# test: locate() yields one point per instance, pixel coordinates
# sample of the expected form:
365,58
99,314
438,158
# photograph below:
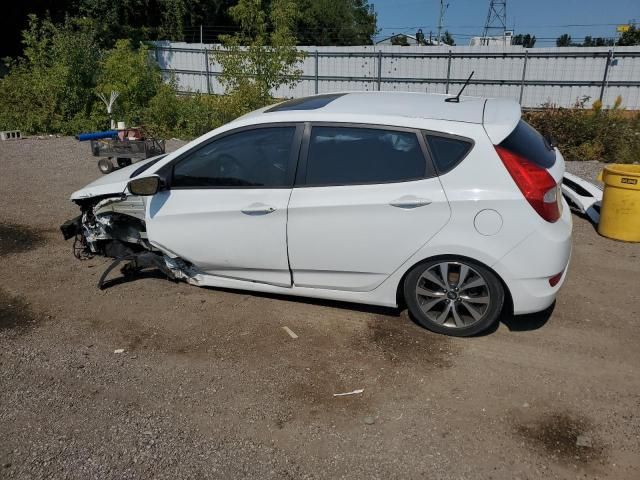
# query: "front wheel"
454,296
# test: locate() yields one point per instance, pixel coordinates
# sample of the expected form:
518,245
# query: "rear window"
527,142
351,156
447,152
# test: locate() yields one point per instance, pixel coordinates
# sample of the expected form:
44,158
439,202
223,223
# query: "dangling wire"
80,248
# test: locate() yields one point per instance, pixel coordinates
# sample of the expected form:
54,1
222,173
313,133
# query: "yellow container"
620,209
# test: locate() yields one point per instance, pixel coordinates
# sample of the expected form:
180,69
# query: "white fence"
532,76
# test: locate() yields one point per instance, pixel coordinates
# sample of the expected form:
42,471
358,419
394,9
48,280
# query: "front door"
366,199
226,208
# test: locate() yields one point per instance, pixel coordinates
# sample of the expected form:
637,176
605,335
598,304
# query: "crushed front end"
113,226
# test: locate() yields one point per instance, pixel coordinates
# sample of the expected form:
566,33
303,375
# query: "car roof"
499,115
402,104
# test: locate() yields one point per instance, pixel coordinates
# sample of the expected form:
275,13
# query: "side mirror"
145,185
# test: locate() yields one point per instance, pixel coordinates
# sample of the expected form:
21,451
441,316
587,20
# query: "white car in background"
379,198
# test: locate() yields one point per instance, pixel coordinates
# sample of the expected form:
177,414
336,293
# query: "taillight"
553,281
535,183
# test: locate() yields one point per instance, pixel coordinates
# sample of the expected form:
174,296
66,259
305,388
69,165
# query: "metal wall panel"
536,76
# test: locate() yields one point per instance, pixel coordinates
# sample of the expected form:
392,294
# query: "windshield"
146,166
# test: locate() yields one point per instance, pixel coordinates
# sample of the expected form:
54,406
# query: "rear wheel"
454,296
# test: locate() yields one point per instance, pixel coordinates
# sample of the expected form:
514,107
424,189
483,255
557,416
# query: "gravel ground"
587,170
209,385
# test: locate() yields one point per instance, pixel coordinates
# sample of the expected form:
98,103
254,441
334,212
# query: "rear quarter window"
447,152
527,142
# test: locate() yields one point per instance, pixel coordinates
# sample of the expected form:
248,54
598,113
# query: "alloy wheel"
453,294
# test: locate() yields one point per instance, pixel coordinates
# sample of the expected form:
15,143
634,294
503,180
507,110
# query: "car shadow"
122,279
515,323
357,307
527,322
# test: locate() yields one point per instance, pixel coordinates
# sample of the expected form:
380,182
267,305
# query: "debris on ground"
582,196
290,332
10,135
584,441
119,350
355,392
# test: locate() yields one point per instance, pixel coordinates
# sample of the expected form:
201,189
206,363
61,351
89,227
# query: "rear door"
366,198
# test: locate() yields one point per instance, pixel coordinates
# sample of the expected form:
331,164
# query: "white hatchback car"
368,197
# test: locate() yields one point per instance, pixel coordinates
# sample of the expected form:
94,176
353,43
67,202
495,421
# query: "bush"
54,88
189,116
134,75
591,133
50,88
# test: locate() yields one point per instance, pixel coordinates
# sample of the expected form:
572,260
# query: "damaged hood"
112,183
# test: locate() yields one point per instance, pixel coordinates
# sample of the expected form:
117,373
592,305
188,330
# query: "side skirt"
369,298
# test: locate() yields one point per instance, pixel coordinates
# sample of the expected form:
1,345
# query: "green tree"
447,38
597,42
400,40
132,19
154,19
262,56
630,37
173,19
335,22
527,41
563,40
134,75
53,80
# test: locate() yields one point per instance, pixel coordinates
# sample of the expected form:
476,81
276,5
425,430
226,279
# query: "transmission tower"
443,9
496,18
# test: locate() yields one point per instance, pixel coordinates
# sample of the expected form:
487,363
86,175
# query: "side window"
352,155
447,152
254,158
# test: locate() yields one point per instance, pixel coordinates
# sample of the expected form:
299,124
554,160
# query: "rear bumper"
527,268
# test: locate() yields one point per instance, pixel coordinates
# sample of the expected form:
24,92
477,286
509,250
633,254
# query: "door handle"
258,209
409,202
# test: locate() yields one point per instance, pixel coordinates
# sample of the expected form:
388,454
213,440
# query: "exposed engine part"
114,227
111,226
80,248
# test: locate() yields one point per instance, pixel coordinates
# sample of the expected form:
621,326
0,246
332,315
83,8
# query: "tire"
123,162
468,302
105,165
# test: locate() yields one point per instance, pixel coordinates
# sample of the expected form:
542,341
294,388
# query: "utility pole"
496,18
443,8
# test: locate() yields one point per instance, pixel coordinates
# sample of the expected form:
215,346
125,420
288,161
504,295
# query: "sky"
546,19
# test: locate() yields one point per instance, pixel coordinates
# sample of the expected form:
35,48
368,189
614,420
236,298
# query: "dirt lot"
211,386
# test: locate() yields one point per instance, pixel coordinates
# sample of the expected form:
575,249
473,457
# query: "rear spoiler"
500,117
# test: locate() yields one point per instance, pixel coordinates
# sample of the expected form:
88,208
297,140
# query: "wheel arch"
507,307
